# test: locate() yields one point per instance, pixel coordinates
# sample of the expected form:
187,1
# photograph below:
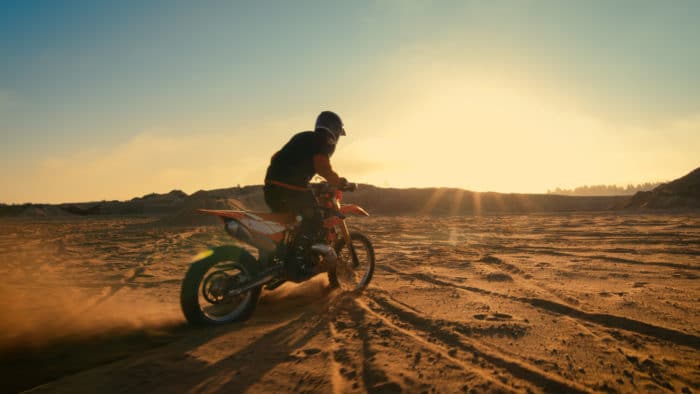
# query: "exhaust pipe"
330,259
250,286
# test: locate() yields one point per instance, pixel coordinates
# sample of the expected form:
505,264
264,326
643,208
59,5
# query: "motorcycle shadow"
226,358
314,296
291,322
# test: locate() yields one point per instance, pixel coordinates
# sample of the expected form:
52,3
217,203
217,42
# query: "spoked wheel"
355,267
204,295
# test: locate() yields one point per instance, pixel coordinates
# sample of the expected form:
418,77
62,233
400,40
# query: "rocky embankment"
683,193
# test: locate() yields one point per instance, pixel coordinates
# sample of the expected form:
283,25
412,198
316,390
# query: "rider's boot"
301,254
301,264
297,256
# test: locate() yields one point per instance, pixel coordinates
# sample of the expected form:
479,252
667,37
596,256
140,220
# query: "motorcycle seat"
282,218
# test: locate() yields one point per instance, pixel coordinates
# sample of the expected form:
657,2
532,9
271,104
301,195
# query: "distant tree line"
605,190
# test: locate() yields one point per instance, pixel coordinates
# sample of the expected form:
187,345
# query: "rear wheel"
355,267
204,295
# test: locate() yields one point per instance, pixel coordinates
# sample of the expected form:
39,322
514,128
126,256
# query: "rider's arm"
322,166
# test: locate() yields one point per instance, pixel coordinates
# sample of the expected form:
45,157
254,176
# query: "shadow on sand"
302,310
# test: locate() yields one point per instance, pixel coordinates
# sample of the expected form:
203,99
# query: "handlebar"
326,187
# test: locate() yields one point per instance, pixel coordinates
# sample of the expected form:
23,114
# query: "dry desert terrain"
573,302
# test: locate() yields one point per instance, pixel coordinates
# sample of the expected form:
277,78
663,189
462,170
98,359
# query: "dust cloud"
291,293
51,309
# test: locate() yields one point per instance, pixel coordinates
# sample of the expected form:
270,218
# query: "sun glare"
489,134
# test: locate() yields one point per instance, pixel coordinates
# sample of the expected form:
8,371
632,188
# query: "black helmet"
331,122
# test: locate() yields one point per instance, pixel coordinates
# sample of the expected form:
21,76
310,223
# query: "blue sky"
104,100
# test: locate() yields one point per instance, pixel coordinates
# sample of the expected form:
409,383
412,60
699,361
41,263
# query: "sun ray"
432,201
456,202
476,203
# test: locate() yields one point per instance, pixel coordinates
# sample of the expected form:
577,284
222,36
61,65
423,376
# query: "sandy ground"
539,303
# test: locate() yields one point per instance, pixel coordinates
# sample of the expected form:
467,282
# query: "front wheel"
204,295
355,267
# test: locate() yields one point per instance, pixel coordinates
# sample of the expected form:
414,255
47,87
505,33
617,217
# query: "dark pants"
302,203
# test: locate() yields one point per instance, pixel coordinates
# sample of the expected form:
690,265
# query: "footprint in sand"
493,316
499,277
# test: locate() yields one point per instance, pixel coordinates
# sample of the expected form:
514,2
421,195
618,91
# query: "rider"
292,167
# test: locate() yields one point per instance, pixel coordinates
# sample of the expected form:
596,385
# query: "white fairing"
259,225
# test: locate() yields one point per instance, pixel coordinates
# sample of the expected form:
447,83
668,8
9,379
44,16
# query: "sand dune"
495,303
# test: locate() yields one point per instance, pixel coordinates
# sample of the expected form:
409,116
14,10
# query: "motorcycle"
224,283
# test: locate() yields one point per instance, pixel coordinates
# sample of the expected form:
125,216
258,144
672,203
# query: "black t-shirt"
294,163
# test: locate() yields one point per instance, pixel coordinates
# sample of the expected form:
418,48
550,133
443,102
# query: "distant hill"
605,190
450,201
683,193
177,207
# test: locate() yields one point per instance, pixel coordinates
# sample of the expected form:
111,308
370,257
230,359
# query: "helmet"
331,122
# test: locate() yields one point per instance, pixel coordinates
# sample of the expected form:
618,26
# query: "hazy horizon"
116,100
578,191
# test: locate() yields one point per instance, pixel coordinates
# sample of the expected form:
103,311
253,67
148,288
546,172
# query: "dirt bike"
224,283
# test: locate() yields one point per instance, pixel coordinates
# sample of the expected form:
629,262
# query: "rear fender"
231,253
239,230
224,214
353,209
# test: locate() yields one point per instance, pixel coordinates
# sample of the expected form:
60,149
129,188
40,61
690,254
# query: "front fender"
354,209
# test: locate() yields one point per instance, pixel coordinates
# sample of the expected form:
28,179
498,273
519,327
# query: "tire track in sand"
603,319
489,260
370,353
453,340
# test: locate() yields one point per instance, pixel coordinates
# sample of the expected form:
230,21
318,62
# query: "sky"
111,100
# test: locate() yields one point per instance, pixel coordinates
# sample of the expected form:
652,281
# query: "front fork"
346,236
